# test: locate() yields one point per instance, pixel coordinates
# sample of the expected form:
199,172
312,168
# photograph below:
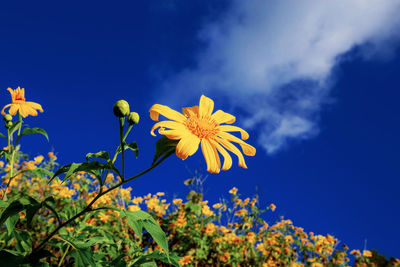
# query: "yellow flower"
197,125
367,253
233,191
52,156
19,104
272,207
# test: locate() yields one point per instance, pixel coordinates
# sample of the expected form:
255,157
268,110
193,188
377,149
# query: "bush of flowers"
83,214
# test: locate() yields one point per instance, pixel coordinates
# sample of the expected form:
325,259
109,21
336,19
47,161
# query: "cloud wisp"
280,56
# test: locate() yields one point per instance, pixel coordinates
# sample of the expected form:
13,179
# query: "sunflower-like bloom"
19,104
199,125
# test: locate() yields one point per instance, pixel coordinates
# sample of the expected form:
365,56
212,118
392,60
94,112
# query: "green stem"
122,143
88,207
63,257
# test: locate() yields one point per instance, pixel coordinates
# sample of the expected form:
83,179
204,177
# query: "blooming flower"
20,105
199,125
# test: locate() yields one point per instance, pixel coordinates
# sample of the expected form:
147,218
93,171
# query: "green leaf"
132,146
10,222
14,208
31,210
34,258
100,155
2,135
27,131
164,147
70,169
83,257
43,172
138,220
158,255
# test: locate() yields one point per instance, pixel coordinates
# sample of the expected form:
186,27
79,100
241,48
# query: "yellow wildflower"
137,200
20,105
1,164
160,194
38,159
197,125
367,253
355,252
177,201
217,206
52,156
272,207
133,208
233,191
185,260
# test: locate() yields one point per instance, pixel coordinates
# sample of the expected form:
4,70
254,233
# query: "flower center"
19,97
201,127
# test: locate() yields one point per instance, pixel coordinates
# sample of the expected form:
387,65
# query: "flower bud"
133,118
121,108
8,124
7,118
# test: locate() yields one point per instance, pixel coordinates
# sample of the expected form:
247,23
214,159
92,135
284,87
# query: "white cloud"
279,56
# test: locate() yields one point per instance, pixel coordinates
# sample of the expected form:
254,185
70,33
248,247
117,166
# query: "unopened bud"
8,124
121,108
133,118
7,118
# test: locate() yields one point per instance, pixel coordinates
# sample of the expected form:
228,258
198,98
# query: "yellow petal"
234,150
167,112
206,106
222,117
23,111
13,109
230,128
31,111
191,111
35,106
173,134
248,150
168,124
6,106
227,158
187,146
209,156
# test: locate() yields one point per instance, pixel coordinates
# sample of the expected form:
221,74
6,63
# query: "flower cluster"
234,232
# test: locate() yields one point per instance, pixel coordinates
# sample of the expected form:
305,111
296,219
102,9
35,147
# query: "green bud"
121,108
133,118
8,124
7,118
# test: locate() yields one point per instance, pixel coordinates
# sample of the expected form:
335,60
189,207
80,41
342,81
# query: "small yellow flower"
19,104
38,159
199,125
52,156
272,207
367,253
185,260
233,191
355,252
177,201
217,206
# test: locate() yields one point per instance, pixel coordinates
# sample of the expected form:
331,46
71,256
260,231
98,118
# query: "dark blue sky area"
78,59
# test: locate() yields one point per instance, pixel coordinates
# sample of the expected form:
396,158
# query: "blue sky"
315,84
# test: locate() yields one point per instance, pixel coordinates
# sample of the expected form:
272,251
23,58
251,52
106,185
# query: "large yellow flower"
19,104
199,125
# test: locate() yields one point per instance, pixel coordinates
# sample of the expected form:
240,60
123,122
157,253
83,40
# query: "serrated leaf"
83,257
138,220
164,147
100,155
27,131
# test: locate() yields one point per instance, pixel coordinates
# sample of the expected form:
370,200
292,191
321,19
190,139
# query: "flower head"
199,125
19,104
